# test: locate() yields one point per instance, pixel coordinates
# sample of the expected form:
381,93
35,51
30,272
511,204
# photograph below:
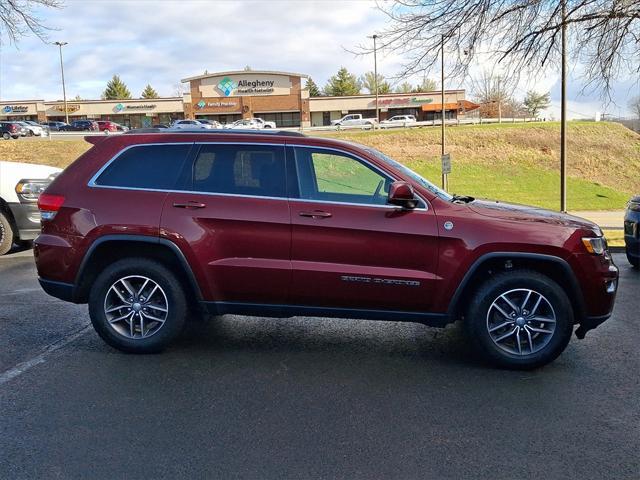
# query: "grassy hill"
511,162
520,162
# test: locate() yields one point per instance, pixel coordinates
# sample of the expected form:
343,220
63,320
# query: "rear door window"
146,167
251,169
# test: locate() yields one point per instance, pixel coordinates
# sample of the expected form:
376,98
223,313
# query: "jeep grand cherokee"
154,227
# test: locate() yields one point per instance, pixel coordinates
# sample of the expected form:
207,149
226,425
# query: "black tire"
29,133
176,305
634,261
6,234
6,136
476,322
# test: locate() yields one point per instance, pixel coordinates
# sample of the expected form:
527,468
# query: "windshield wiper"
462,198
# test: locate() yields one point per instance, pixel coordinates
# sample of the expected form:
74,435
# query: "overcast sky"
162,41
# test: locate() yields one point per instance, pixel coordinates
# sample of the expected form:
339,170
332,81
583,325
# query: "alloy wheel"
521,321
136,307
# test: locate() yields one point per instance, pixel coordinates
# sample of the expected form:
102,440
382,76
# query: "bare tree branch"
18,18
521,35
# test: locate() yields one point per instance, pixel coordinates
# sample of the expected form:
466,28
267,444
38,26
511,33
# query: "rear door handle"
315,214
190,204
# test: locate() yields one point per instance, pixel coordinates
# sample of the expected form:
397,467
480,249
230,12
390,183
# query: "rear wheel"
6,136
138,306
634,261
6,234
519,319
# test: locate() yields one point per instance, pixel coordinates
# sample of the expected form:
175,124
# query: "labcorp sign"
245,85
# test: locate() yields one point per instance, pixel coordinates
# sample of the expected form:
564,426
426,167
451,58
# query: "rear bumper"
61,290
27,218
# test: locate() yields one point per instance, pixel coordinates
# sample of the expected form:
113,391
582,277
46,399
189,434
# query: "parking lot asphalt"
307,398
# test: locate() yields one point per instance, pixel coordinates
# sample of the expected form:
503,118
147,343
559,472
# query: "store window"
282,119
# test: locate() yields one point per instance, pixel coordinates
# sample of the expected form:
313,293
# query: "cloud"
161,41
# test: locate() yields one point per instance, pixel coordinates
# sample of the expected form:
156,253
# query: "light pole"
563,114
375,73
64,88
444,175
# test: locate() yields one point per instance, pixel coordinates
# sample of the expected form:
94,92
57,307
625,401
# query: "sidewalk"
608,220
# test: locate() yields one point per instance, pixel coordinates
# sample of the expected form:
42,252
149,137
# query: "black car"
54,126
632,231
81,126
10,130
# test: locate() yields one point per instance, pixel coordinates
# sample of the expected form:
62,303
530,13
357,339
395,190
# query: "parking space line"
40,358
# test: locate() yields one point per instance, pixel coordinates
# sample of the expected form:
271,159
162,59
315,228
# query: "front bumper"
27,218
598,279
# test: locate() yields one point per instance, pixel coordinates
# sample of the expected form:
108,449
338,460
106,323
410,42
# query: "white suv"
398,121
251,124
20,187
194,124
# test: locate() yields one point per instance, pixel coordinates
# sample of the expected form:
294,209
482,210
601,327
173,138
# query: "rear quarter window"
145,167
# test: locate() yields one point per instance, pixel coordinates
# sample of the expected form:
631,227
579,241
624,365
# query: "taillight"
49,205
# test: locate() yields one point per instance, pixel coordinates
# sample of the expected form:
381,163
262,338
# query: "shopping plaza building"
280,97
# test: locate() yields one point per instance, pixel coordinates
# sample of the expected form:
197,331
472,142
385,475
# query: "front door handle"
190,205
315,214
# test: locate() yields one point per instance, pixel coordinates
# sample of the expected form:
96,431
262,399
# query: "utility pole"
444,175
499,101
563,114
375,74
64,88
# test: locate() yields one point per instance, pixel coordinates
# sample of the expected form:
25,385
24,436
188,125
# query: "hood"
511,211
635,199
20,170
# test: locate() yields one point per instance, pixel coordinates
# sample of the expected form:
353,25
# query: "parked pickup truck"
20,187
354,120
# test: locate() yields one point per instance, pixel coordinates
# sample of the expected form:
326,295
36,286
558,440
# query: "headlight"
595,246
30,190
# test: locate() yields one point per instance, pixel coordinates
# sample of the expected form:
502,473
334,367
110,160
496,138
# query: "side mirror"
401,194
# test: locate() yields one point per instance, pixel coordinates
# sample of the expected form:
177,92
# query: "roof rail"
218,131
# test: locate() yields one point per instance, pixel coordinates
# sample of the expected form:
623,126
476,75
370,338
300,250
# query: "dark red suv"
153,228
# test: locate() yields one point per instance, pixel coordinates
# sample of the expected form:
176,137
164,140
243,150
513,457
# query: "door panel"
356,254
234,224
363,257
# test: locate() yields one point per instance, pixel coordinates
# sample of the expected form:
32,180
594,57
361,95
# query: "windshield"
407,171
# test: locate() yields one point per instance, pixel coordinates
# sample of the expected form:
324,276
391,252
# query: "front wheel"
138,306
6,136
6,234
634,261
519,320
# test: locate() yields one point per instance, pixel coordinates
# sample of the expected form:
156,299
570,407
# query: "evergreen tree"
368,81
534,102
149,92
314,91
116,90
341,84
404,87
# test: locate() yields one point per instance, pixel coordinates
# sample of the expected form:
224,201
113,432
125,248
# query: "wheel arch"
110,248
551,266
6,211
